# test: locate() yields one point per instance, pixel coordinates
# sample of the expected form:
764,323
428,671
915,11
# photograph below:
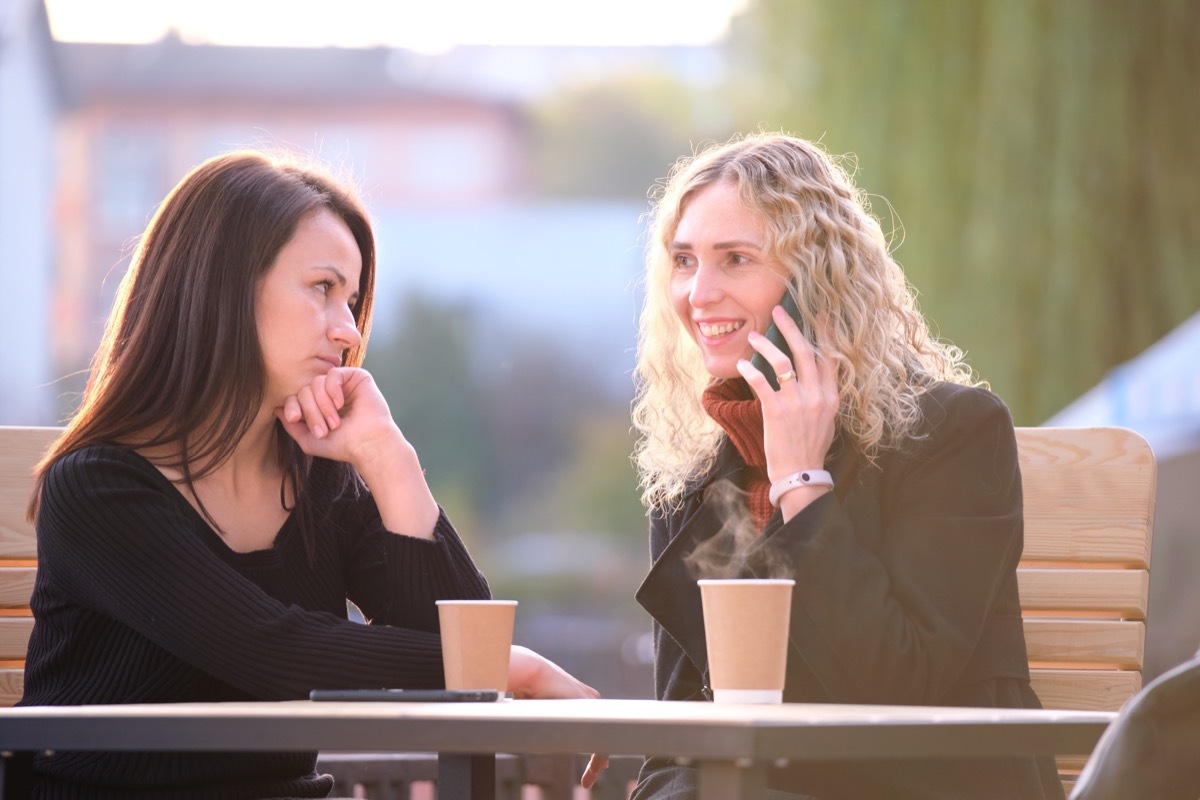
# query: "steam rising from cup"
736,550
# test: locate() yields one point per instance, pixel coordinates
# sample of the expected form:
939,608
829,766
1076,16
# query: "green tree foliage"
616,138
1040,154
426,373
595,489
514,432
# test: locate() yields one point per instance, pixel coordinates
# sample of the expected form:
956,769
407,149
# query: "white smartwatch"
805,477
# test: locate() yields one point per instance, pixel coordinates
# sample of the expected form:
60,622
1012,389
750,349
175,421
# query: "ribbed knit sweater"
734,407
139,600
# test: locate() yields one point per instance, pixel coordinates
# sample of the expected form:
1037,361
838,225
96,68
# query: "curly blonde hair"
820,226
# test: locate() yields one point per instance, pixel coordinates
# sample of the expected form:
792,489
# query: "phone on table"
775,337
407,695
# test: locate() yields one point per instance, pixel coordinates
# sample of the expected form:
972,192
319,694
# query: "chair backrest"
1084,575
20,450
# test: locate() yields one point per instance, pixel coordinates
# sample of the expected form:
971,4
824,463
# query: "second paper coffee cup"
746,625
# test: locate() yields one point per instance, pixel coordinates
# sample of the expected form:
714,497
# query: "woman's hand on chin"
343,416
339,415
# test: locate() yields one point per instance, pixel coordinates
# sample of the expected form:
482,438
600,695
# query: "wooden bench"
1084,575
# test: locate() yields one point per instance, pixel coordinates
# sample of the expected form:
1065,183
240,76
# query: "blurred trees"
1039,153
616,138
514,433
425,372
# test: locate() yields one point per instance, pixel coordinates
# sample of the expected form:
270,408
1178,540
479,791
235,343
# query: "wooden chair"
20,450
1084,575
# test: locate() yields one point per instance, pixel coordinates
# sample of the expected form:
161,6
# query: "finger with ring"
783,377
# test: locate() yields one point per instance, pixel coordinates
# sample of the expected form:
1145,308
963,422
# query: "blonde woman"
875,472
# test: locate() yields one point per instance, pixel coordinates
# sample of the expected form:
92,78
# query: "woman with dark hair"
874,470
232,478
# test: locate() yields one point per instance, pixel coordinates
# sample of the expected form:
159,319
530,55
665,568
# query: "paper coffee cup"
476,642
746,626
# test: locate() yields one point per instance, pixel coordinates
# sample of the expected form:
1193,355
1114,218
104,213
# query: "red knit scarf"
738,412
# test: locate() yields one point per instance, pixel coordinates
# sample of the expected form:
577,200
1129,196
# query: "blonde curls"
821,227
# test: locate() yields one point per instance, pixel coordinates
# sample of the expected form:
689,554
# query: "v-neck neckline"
247,555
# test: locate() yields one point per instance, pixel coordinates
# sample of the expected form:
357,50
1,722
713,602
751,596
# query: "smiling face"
723,282
304,305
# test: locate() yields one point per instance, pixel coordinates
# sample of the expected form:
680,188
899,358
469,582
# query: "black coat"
905,594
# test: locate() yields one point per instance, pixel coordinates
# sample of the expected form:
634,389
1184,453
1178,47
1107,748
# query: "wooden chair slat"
12,685
1088,494
1106,542
1080,447
14,637
1085,642
16,586
1120,592
1085,690
20,450
1070,766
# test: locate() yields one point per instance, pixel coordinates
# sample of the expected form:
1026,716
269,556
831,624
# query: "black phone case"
406,695
775,337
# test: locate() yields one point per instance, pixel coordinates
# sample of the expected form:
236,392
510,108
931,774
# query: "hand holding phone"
775,337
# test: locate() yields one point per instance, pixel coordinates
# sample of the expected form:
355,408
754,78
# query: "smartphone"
407,695
775,337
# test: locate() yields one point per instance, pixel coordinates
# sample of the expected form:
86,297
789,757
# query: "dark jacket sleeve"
890,602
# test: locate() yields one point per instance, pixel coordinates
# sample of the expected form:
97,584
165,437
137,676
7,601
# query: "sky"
424,26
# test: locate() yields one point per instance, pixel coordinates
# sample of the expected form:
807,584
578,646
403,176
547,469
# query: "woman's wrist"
383,455
806,478
391,470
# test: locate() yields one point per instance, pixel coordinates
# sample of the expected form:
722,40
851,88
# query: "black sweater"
139,600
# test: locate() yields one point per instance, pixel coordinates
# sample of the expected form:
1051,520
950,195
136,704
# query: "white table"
731,745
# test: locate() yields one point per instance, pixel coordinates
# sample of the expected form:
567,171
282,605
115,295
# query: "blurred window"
452,158
129,183
347,148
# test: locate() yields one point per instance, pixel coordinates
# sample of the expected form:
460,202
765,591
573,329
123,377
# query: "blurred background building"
1037,158
30,108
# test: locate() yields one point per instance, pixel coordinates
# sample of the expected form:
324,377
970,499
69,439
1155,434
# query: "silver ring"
790,375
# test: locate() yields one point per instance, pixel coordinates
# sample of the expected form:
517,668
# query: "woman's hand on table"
533,676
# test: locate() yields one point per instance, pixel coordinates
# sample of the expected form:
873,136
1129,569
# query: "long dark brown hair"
180,367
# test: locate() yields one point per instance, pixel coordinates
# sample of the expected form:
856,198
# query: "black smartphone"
775,337
407,695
